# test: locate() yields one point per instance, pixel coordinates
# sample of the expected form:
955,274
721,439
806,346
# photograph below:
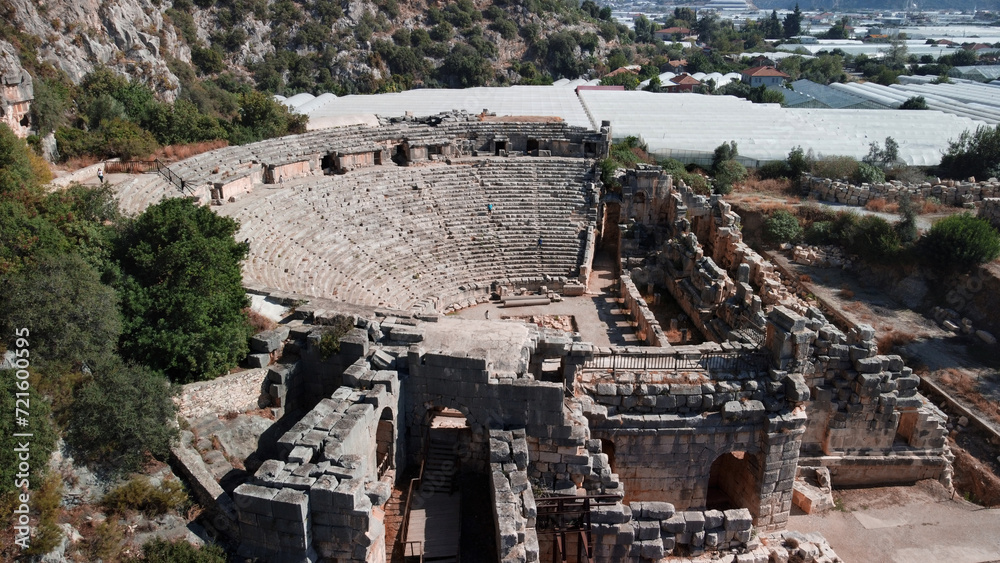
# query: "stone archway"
734,482
385,443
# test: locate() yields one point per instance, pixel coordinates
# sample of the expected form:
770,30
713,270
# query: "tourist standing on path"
100,175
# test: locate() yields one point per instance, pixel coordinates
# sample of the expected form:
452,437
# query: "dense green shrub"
973,154
126,140
916,102
52,104
820,232
773,170
782,227
960,242
43,436
208,61
120,415
159,550
140,495
71,315
329,343
873,239
836,167
868,174
727,174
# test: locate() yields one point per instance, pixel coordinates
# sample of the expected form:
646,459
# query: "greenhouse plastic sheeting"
695,123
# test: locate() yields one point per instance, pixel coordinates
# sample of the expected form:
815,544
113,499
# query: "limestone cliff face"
136,38
16,91
129,36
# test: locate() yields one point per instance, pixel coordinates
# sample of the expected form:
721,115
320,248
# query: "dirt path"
921,523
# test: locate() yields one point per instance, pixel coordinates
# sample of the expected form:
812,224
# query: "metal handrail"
131,166
415,483
171,177
679,361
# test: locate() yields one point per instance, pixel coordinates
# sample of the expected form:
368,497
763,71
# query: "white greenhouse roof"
968,99
678,124
515,100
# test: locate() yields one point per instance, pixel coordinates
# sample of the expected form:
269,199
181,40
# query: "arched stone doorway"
734,482
385,444
608,448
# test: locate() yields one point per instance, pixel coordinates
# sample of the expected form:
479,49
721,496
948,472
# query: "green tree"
916,102
874,239
839,30
208,61
798,163
17,172
906,228
43,435
960,242
772,26
52,104
643,29
973,154
121,415
126,140
182,293
627,79
887,77
465,67
782,227
793,22
724,152
263,117
727,174
72,316
896,54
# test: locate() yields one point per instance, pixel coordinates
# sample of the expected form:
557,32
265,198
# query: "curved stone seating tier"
417,237
228,163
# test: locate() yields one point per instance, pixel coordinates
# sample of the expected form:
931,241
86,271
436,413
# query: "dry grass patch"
845,292
172,153
779,187
880,205
931,205
967,388
259,323
890,339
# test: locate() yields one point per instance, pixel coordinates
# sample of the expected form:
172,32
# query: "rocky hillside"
290,46
130,36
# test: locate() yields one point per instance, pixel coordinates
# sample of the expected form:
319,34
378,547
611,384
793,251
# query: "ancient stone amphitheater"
588,452
332,213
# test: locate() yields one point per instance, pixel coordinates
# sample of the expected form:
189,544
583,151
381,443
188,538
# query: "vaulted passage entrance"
733,482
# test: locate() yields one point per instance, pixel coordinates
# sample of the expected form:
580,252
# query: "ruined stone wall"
280,173
857,397
350,161
467,385
316,499
990,210
649,531
948,192
647,328
512,497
